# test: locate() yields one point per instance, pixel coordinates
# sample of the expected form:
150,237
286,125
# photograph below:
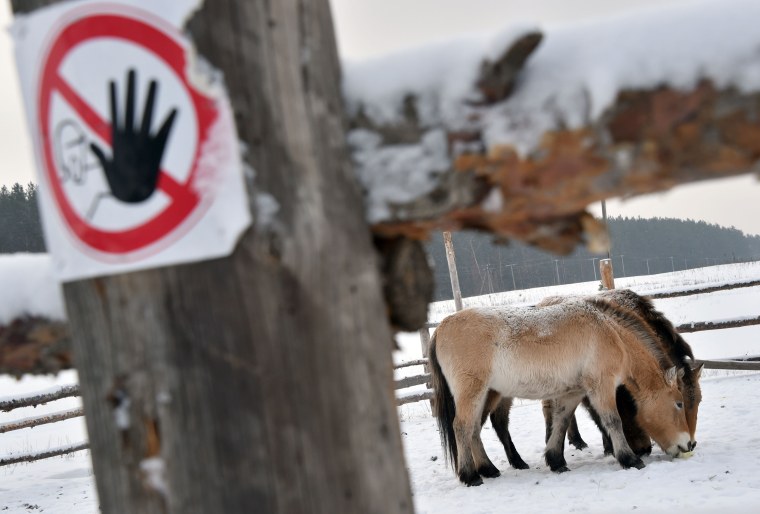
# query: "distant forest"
21,230
639,247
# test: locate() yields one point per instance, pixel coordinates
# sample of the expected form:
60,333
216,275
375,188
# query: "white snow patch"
28,287
154,474
396,174
574,74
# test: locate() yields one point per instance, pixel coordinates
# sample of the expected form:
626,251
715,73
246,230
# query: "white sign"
137,152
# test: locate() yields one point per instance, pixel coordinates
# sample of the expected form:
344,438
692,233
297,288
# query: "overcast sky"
369,28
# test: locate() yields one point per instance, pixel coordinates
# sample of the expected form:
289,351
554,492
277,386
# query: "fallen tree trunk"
649,140
522,148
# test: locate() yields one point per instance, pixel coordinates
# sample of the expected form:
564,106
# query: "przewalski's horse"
671,350
563,352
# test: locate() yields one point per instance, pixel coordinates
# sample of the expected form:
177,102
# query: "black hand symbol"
135,163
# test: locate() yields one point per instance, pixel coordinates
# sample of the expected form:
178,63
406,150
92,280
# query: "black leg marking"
470,479
606,441
489,471
574,435
629,460
556,461
500,423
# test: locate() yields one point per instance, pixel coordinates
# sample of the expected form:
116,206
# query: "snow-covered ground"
721,477
60,485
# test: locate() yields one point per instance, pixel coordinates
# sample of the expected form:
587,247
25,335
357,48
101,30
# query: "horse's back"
524,352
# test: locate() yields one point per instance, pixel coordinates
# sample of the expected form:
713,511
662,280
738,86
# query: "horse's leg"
606,441
603,400
574,435
562,410
469,399
492,400
546,407
500,423
637,438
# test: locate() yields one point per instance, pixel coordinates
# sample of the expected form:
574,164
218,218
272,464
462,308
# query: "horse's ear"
671,375
698,371
681,373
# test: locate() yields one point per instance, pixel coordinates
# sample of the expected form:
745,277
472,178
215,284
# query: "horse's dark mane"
676,346
630,320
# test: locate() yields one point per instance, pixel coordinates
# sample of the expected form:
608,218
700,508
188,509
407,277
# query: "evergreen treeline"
20,229
639,247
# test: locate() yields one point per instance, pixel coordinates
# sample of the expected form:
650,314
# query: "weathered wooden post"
608,277
452,262
262,381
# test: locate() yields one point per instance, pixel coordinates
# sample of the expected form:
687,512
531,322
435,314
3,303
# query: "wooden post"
452,261
608,277
425,343
263,381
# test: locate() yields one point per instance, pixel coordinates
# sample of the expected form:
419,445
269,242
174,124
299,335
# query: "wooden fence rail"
55,452
41,420
33,401
39,398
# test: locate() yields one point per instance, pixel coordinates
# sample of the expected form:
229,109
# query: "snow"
571,79
60,485
721,476
27,286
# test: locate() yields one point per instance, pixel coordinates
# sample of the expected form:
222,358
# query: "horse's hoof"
580,444
471,479
556,461
489,471
631,461
520,465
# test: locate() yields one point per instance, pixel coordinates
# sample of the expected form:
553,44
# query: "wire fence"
746,364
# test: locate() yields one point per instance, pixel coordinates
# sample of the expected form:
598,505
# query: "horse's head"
661,412
692,396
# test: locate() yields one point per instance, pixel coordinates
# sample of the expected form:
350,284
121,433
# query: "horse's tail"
443,406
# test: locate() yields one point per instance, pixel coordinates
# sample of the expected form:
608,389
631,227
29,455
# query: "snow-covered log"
518,132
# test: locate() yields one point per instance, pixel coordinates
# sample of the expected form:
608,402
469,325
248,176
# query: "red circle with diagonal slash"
184,198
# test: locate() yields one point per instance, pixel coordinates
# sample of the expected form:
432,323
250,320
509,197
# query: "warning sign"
137,151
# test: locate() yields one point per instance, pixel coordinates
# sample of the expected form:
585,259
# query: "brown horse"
671,350
562,352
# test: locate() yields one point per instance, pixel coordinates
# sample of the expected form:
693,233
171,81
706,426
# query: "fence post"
226,385
453,275
608,277
425,343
